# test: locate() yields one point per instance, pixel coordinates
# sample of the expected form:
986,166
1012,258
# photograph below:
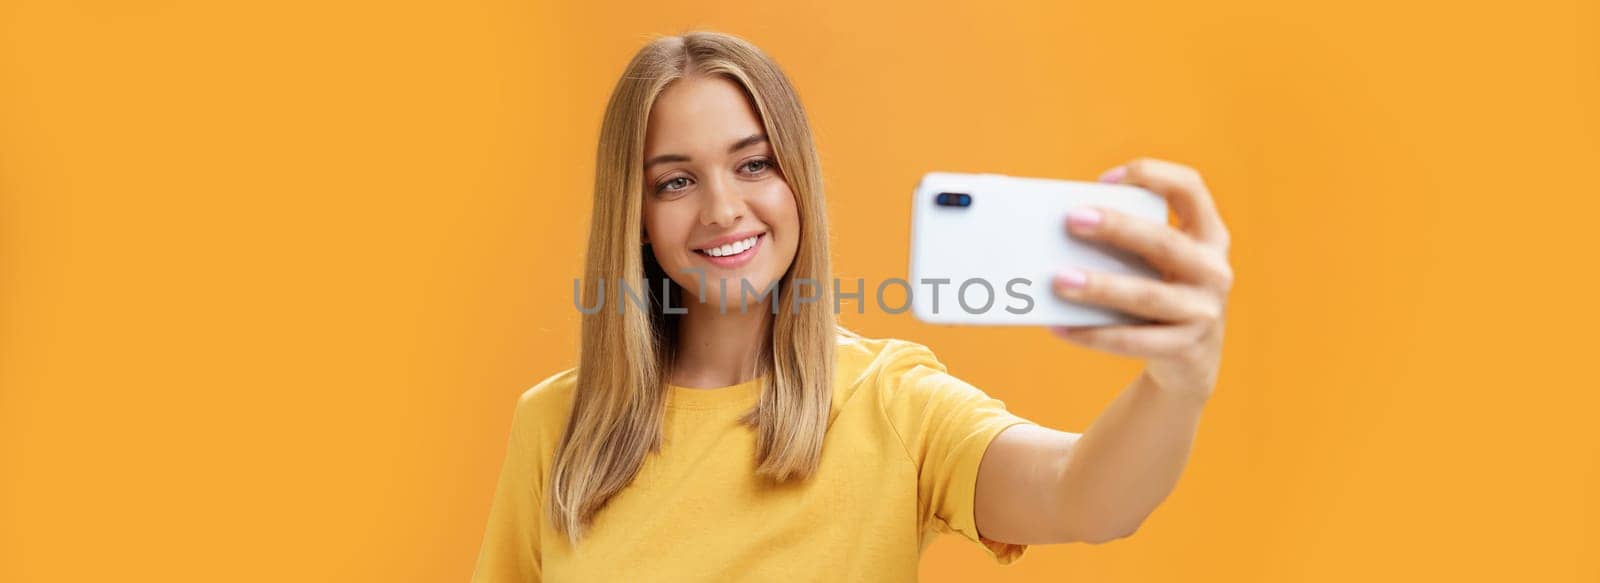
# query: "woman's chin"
738,289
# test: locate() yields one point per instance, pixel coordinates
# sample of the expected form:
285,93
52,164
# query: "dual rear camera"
955,199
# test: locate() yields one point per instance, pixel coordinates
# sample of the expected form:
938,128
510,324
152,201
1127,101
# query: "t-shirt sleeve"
510,550
946,426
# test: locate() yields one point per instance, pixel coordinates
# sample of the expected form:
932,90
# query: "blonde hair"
620,398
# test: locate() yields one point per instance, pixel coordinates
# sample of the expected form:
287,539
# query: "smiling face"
714,197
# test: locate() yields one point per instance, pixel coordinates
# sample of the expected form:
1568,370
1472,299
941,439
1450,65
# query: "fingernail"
1083,217
1071,279
1114,174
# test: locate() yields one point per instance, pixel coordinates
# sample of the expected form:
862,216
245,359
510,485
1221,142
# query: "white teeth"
733,248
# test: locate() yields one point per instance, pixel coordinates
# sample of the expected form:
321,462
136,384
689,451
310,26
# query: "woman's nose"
723,204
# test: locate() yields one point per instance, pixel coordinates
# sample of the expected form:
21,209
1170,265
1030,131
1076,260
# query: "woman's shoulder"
547,403
875,360
857,348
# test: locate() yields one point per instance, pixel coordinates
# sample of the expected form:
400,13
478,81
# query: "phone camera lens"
955,199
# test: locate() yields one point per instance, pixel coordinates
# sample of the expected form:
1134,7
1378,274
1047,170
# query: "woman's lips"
734,259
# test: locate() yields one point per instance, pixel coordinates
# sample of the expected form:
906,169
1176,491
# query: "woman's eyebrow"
746,142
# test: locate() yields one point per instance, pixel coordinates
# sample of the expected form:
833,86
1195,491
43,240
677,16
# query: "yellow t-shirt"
899,466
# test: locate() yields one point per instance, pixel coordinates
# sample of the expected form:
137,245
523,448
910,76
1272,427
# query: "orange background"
275,272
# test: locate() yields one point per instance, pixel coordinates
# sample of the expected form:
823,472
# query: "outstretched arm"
1038,485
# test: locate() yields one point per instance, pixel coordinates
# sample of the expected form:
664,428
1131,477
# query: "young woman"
714,433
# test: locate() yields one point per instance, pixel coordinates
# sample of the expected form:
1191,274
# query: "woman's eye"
756,165
675,184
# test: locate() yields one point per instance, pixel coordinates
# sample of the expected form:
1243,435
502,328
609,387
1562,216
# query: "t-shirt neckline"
714,398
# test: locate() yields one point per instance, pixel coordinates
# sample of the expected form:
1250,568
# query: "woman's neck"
717,349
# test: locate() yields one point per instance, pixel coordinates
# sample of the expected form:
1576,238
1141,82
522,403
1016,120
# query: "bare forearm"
1129,459
1038,484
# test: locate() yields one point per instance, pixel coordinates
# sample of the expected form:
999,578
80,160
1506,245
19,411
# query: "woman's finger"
1144,341
1183,189
1164,247
1137,295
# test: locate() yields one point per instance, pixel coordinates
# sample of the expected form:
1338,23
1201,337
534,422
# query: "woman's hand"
1183,349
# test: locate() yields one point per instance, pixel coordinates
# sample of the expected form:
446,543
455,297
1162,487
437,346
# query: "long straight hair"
620,398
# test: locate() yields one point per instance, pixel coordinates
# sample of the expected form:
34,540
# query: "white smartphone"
986,247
